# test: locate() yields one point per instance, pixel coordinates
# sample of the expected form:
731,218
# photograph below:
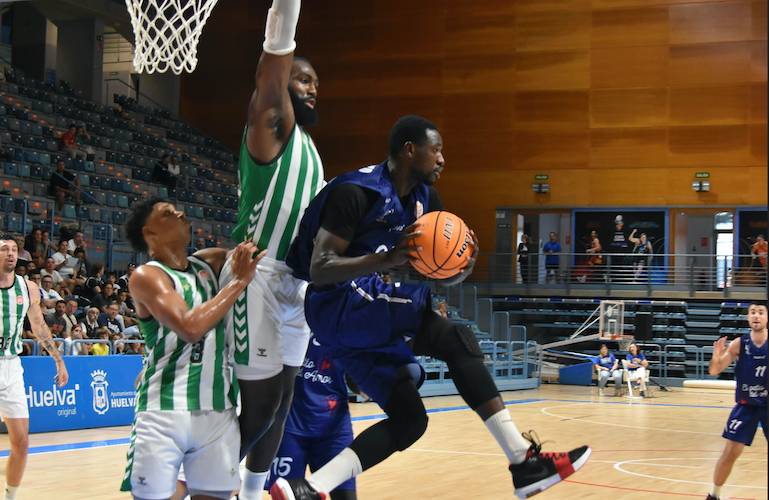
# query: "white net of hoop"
167,32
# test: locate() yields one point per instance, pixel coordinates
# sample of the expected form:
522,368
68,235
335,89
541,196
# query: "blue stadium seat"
111,200
68,212
122,201
13,223
162,192
99,232
118,217
85,180
83,213
45,159
40,189
89,166
24,170
105,215
11,169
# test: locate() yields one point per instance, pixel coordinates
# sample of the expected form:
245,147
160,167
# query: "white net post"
166,33
611,323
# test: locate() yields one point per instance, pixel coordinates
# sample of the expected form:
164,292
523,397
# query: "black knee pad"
467,340
408,433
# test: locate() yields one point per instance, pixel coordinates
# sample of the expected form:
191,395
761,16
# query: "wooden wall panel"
710,64
644,107
709,23
728,105
629,147
630,27
649,68
619,101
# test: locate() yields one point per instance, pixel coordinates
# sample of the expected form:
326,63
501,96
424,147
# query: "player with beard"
19,300
359,226
280,171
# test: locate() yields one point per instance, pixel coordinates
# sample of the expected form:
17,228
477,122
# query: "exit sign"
702,175
541,177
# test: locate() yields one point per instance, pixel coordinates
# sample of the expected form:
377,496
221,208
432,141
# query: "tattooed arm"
43,334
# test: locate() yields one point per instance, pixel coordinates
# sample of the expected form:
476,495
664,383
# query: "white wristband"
281,27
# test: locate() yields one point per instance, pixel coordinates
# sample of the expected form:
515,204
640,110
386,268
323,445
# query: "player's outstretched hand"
244,260
719,347
62,376
403,250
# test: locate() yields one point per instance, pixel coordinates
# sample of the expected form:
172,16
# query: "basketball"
444,247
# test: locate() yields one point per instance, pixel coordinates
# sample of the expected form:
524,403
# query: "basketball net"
166,33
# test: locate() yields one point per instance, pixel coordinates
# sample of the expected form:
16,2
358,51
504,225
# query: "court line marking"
615,487
556,415
640,461
628,403
85,445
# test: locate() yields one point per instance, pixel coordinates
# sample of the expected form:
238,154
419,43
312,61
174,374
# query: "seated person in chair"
606,367
637,366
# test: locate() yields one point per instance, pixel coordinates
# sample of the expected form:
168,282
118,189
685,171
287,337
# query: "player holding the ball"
360,225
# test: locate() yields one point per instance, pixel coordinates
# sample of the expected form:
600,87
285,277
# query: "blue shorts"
298,452
365,324
743,422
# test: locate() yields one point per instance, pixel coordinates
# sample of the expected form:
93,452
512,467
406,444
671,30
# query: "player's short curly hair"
409,128
140,211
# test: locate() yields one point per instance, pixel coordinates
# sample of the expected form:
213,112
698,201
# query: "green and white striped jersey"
14,304
273,197
179,375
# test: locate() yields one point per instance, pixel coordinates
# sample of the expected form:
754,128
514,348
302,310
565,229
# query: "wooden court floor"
662,447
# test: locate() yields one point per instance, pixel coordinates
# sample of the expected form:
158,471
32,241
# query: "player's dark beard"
305,116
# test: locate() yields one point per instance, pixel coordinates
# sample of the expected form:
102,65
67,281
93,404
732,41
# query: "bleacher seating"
125,151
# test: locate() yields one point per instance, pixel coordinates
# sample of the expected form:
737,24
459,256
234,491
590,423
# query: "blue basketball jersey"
379,230
320,396
630,357
606,362
750,373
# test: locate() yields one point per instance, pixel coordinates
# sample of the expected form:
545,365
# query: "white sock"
10,492
252,486
342,467
503,429
715,491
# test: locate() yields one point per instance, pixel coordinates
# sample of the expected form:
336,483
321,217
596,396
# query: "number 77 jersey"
750,373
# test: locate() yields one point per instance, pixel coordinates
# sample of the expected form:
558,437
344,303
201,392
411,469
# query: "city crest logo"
99,386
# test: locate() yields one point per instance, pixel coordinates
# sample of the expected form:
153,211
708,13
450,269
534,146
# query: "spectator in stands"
21,270
24,255
83,139
31,266
63,185
112,280
91,322
636,365
50,270
759,250
79,349
442,309
101,349
606,367
125,308
34,245
45,239
63,261
117,346
80,268
56,321
523,258
68,140
594,258
200,244
120,112
105,298
77,241
70,315
163,171
94,282
124,279
642,254
552,250
110,319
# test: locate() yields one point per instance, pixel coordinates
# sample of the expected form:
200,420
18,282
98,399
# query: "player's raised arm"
723,356
155,294
43,334
270,112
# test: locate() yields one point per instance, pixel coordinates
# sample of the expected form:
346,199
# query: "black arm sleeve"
345,207
434,203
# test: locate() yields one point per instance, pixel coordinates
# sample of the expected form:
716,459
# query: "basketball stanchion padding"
729,385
